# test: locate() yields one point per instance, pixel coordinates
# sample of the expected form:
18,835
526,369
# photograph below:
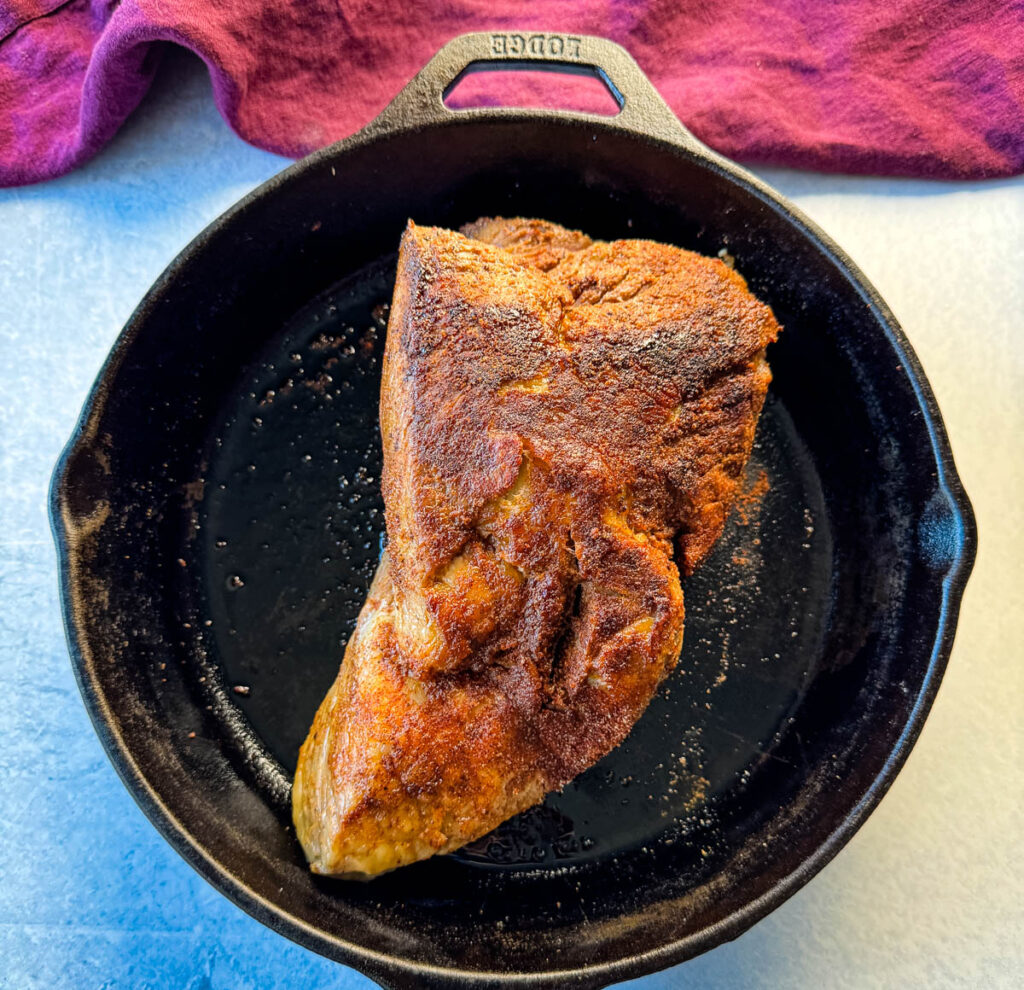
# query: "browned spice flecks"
565,423
748,499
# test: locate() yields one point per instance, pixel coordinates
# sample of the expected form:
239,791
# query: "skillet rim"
393,970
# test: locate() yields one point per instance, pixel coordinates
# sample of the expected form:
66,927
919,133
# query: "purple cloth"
877,86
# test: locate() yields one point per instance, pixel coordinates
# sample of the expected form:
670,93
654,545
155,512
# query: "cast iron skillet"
218,517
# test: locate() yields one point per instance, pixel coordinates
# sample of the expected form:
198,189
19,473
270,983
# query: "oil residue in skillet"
292,525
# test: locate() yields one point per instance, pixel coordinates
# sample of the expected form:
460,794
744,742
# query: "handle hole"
551,86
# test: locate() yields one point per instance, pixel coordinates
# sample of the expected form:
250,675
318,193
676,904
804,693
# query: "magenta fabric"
899,87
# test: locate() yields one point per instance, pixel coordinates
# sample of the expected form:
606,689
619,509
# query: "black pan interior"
222,518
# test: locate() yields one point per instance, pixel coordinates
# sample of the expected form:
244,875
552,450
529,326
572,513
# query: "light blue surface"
91,896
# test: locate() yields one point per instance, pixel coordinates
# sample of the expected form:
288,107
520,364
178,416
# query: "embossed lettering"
536,45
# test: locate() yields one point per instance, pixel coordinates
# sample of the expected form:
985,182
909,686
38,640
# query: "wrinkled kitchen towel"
901,87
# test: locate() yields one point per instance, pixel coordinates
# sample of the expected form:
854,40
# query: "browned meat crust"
565,423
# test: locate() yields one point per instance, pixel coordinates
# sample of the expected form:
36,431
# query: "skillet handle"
641,108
